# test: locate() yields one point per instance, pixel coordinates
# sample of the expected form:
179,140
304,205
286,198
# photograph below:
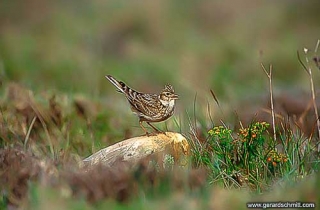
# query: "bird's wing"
147,104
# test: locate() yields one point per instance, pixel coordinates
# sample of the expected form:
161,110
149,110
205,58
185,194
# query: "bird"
149,107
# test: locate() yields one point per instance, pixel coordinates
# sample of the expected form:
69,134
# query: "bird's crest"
168,88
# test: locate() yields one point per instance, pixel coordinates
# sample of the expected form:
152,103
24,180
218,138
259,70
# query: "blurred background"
69,46
55,101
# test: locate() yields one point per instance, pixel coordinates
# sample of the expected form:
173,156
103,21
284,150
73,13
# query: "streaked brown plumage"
148,107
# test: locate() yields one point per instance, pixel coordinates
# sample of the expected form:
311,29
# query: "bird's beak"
175,96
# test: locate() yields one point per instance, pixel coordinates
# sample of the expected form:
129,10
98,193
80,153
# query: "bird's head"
167,96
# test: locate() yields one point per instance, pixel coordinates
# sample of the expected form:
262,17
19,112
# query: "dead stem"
269,75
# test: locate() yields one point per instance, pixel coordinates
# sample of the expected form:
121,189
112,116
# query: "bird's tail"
118,84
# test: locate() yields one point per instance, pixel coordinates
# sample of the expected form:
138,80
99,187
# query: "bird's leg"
143,128
156,129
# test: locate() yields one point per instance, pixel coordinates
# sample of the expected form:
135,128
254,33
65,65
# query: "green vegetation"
56,107
249,158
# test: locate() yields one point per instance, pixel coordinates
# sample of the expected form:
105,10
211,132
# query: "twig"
309,71
192,130
29,131
45,128
269,75
215,98
317,46
194,114
209,113
316,58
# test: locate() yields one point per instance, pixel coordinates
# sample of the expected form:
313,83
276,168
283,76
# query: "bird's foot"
155,133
